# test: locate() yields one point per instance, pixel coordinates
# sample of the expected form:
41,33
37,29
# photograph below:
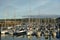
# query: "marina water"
10,37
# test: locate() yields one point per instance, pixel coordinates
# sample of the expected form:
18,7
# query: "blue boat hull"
58,35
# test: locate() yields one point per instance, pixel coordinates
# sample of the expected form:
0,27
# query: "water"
9,37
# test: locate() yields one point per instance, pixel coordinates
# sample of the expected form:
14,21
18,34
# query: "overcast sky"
19,8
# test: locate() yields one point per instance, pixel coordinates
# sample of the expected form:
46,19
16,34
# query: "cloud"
22,7
50,8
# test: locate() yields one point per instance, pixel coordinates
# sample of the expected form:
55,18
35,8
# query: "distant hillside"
42,16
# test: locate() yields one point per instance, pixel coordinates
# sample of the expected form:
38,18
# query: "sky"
19,8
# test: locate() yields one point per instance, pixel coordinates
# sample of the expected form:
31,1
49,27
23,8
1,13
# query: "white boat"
9,27
39,34
20,32
54,34
46,34
29,33
3,32
11,32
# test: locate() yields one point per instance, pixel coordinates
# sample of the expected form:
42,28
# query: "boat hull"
57,34
19,34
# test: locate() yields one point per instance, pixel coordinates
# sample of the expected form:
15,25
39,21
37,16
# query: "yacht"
46,34
4,32
20,32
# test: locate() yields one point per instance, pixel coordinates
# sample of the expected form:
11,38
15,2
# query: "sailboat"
19,32
29,31
5,31
38,31
54,30
46,32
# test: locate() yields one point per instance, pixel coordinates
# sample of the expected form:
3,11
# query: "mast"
54,23
48,20
45,23
32,21
39,18
5,20
6,13
29,11
14,17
